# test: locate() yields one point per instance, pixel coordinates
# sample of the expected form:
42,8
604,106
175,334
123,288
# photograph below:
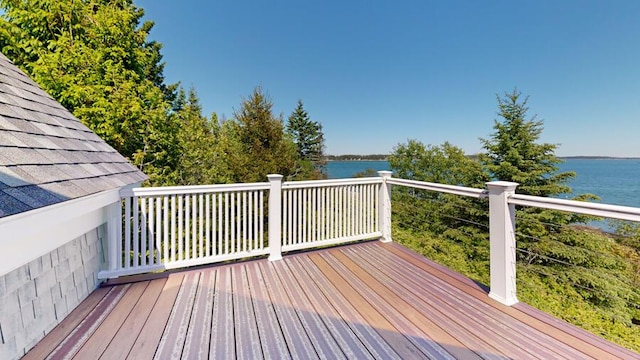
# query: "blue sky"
376,73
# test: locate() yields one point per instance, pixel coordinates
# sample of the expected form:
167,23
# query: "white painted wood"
502,240
443,188
275,216
384,209
333,241
207,228
580,207
174,198
261,220
31,234
180,236
114,245
192,189
329,183
143,232
166,237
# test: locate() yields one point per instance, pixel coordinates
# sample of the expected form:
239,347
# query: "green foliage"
255,142
445,164
366,173
94,58
198,161
513,154
309,140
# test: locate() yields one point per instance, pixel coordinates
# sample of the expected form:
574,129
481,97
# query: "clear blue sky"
376,73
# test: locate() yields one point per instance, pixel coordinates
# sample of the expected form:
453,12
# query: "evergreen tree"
197,161
309,140
513,154
95,59
256,143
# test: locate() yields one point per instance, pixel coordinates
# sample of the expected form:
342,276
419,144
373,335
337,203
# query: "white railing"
172,227
502,224
328,212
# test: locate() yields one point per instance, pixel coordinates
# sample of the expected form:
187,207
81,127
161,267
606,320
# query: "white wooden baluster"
207,216
275,217
384,207
143,232
244,221
261,219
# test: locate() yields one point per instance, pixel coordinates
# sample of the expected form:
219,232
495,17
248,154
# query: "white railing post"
384,211
275,217
114,223
502,239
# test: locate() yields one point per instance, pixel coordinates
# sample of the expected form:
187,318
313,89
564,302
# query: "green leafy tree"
309,140
95,59
443,227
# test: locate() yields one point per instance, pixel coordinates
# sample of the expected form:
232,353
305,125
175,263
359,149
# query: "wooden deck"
365,301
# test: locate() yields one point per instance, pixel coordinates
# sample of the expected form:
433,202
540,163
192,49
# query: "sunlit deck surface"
368,300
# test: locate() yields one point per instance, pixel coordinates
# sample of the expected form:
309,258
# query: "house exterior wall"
37,296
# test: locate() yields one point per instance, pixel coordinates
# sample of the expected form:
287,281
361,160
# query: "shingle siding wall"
37,296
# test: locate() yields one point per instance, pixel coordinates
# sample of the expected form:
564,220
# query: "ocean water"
615,181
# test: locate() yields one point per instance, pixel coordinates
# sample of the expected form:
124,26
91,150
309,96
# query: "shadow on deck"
367,300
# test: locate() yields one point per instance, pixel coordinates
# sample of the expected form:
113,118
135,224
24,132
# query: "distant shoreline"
381,158
598,158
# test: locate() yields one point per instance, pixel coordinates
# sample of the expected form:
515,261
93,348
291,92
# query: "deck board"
99,340
368,336
149,337
64,329
430,292
298,342
367,300
121,344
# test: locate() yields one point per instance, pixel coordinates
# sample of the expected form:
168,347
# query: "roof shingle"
47,156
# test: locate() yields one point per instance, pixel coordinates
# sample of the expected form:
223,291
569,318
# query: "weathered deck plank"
321,338
173,339
222,333
248,345
66,327
147,341
369,300
100,339
122,342
401,345
372,341
199,332
266,317
568,340
411,321
434,291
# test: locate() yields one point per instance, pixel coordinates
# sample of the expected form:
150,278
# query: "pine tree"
309,140
197,136
256,144
513,153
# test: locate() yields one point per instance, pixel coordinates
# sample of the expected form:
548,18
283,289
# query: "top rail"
192,189
331,182
580,207
449,189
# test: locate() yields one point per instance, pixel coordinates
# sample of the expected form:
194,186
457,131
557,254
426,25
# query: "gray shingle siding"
47,156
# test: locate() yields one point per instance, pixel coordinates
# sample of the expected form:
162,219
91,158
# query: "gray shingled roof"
47,156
